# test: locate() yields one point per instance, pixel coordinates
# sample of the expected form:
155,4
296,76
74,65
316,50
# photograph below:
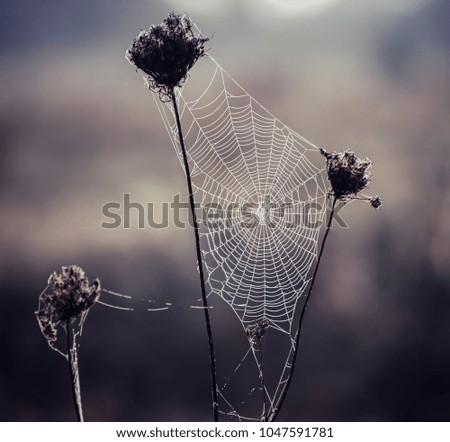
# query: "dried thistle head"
68,297
256,332
375,201
347,173
166,53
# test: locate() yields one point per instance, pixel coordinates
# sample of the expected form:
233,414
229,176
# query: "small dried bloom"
47,328
166,53
67,298
347,173
375,201
256,332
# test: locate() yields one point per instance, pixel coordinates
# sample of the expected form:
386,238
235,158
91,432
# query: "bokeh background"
79,129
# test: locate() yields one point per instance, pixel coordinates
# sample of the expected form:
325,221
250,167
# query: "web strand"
266,187
240,156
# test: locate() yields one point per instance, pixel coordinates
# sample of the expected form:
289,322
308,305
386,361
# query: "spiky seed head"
375,201
68,297
166,52
256,331
347,173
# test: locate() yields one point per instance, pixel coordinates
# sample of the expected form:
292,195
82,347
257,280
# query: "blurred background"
79,129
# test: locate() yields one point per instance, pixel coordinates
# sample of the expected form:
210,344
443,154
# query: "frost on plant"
65,302
166,53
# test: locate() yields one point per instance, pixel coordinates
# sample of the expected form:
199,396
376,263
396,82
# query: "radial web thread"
262,198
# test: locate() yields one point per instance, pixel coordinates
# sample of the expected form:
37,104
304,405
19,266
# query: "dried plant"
63,307
166,53
255,334
348,176
375,201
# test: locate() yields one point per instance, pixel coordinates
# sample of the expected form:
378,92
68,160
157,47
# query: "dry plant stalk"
166,53
348,176
63,306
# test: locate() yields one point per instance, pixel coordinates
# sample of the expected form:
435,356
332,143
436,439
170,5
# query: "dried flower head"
256,332
375,201
166,53
347,173
68,297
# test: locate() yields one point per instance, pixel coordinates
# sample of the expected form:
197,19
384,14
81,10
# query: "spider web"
262,196
262,199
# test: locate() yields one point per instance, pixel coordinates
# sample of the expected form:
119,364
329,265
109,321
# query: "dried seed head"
47,328
347,173
166,53
375,201
256,332
68,297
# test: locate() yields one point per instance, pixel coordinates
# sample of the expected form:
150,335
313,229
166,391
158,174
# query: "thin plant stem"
263,382
74,373
276,410
200,263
